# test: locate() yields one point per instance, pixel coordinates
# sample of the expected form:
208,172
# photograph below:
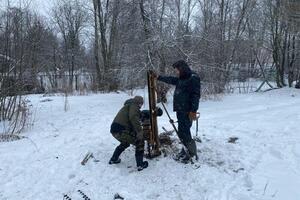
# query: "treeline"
106,45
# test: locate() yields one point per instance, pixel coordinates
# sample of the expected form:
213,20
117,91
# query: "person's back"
127,116
127,129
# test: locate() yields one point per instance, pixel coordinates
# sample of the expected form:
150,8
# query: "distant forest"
108,45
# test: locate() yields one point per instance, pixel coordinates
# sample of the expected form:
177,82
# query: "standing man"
127,129
185,104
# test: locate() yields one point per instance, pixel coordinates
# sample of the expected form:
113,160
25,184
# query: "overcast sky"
41,6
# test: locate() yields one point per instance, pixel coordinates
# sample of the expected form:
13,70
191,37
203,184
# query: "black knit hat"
184,69
180,64
159,111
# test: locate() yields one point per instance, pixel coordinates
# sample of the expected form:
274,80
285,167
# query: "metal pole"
170,119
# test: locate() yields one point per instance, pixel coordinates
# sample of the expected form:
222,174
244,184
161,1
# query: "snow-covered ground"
264,163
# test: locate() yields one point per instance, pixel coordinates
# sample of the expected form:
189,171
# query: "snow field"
264,163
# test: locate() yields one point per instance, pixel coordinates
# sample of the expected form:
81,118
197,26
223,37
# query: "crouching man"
127,129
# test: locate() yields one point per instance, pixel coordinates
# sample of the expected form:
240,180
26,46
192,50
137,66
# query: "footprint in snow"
71,176
275,153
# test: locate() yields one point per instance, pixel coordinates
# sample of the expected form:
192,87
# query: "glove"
159,112
192,116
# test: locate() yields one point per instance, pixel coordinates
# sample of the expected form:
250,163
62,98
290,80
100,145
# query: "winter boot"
139,160
115,157
114,161
143,166
180,155
186,159
192,149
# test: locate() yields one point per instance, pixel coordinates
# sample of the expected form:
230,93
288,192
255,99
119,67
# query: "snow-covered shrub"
15,114
14,108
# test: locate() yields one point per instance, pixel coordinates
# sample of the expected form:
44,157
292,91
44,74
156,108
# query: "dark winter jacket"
187,91
128,118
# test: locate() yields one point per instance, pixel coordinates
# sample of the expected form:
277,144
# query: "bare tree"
106,15
70,18
13,107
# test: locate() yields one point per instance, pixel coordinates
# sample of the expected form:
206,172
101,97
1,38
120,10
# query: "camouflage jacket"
128,118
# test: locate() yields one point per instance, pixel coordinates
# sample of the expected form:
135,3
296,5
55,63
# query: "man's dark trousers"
184,132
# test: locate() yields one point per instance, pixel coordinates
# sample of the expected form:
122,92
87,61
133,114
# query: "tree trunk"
96,45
